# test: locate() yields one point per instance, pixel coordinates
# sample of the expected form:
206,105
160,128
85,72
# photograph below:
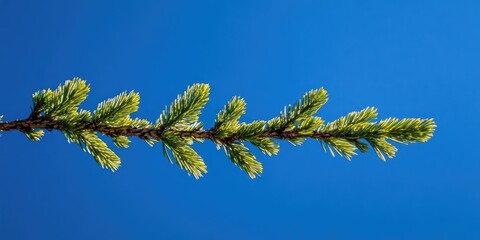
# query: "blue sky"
407,58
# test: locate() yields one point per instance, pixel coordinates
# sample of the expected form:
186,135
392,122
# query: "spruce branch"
178,126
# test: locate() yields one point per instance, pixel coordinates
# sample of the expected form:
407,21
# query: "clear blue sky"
407,58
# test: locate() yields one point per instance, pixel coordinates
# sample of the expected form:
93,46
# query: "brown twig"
40,122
